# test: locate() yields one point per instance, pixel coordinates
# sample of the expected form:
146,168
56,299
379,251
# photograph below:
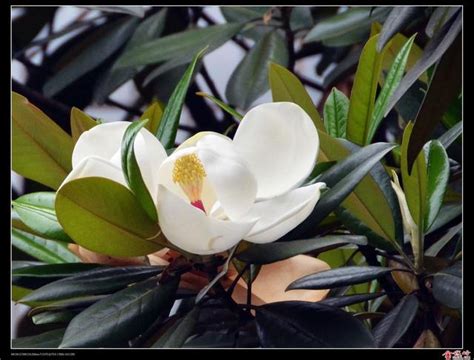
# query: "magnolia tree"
274,225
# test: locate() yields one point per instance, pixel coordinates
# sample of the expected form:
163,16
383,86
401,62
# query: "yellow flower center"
189,173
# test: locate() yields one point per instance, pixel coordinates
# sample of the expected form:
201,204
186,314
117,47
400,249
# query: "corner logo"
457,355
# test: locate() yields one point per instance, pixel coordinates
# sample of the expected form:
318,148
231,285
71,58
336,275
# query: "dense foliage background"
376,75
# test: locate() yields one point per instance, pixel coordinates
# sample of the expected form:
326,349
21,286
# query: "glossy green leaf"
53,270
437,180
168,128
431,54
92,282
348,275
149,29
49,251
398,19
364,90
447,286
444,87
249,79
222,105
300,324
346,300
131,170
106,41
391,82
451,135
41,150
367,202
272,252
154,114
48,339
122,316
53,317
176,336
336,110
392,327
356,20
80,122
36,210
105,217
301,18
179,47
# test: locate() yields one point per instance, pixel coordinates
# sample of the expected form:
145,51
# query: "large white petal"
280,143
192,230
105,141
277,216
228,178
94,166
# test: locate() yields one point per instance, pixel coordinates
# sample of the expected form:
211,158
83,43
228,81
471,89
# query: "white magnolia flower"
212,191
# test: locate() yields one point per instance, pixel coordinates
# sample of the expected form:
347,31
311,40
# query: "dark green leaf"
272,252
336,110
353,21
451,135
180,47
222,105
249,79
348,275
301,18
121,316
49,251
177,335
168,128
53,317
83,208
41,150
138,11
342,178
48,339
244,14
396,21
299,324
392,327
92,282
447,286
434,249
437,180
446,214
36,210
108,40
148,30
439,16
318,169
346,300
131,170
432,53
443,89
78,303
53,270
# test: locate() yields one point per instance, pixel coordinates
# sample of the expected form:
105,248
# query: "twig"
210,83
310,83
290,37
123,107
